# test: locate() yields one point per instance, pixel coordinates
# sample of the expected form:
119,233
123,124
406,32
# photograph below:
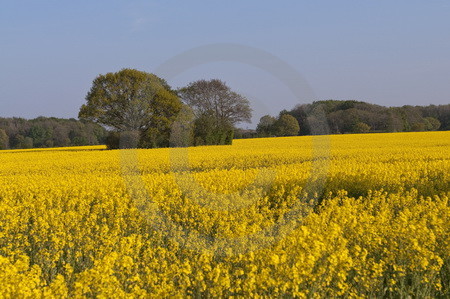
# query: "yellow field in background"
342,215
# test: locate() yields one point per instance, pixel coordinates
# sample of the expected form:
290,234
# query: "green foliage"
361,127
240,133
208,131
418,127
123,140
113,140
432,124
4,140
131,100
51,132
217,110
344,116
214,97
78,141
182,131
40,135
286,125
23,142
265,126
441,113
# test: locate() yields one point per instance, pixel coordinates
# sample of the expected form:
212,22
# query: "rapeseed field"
304,217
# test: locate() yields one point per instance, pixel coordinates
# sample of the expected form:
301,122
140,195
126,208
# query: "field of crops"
345,215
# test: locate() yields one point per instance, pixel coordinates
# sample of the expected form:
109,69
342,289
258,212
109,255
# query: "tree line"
135,109
344,117
20,133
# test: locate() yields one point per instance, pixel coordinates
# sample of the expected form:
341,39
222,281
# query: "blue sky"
385,52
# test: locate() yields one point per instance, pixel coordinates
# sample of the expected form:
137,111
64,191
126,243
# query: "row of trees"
360,117
142,110
19,133
131,108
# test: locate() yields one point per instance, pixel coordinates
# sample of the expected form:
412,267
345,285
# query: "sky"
390,53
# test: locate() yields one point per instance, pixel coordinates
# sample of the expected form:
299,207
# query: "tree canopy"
286,125
4,140
348,117
359,117
133,101
215,98
265,126
217,110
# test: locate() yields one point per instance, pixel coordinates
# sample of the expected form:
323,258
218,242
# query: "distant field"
342,215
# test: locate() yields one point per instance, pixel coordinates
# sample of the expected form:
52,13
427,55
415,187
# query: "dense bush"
122,140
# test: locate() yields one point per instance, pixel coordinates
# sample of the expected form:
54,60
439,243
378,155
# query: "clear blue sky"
384,52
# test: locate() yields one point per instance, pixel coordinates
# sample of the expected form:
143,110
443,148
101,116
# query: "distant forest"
360,117
19,133
357,117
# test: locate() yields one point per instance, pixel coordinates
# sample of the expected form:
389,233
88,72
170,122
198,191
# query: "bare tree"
216,99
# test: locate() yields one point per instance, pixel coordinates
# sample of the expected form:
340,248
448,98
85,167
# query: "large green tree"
133,101
287,125
266,126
